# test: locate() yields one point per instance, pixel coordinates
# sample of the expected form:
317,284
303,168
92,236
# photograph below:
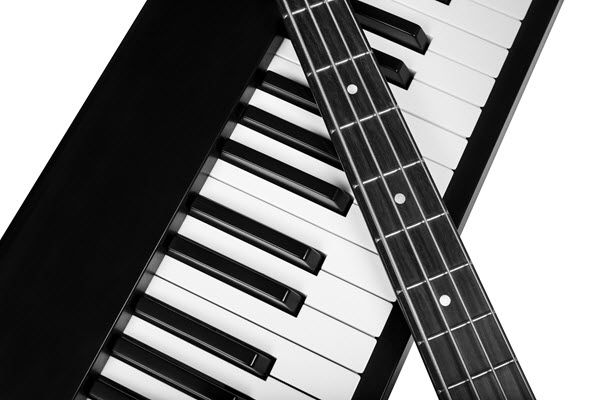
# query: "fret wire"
452,329
426,222
433,278
345,60
365,195
384,242
497,367
389,235
388,173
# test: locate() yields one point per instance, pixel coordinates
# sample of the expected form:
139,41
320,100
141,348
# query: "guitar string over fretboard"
454,325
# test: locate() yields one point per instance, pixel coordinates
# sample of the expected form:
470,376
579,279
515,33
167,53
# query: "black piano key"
290,91
447,2
257,234
394,70
290,178
291,135
204,336
236,275
106,389
391,26
172,372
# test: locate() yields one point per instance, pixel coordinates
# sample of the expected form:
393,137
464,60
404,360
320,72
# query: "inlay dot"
352,88
445,300
400,198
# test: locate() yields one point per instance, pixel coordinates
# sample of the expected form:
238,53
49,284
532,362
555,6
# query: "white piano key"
441,175
210,364
438,145
324,292
344,259
289,112
294,365
420,100
310,328
472,17
514,8
141,382
449,41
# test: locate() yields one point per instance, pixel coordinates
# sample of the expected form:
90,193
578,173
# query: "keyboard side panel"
91,224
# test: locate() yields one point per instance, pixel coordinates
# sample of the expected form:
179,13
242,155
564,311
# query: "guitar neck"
454,325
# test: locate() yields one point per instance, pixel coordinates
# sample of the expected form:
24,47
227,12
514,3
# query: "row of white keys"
344,259
310,328
442,150
420,100
447,148
294,364
430,68
472,17
514,8
351,226
449,41
324,292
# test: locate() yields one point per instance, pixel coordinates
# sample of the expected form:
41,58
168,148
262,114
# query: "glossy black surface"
108,195
106,389
393,70
286,176
257,234
390,26
235,274
171,371
290,91
292,135
204,336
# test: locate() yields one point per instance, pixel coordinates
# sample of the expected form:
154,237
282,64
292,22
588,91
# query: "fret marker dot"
445,300
400,198
352,88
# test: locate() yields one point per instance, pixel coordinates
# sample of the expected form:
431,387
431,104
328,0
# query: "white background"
533,232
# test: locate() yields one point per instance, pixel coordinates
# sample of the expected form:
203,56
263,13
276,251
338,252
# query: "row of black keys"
172,372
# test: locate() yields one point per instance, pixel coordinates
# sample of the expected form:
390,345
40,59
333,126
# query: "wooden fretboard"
454,325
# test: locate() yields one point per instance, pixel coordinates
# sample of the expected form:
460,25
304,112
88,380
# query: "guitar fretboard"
454,325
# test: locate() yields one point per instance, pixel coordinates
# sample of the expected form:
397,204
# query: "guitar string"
464,306
440,201
361,186
405,294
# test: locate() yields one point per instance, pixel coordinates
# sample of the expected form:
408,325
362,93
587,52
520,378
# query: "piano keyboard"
271,288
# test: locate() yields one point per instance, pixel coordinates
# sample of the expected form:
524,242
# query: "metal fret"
415,225
430,338
433,278
340,62
303,9
493,369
